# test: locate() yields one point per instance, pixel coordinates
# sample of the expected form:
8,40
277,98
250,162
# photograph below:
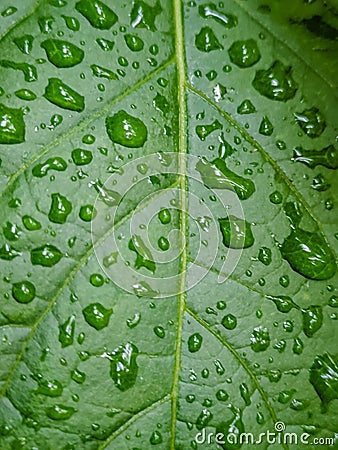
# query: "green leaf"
169,224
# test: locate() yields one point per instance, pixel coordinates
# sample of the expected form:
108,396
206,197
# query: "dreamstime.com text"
268,437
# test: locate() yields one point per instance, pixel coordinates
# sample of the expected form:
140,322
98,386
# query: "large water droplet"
312,319
327,157
244,53
229,322
71,23
156,438
51,388
324,378
62,95
67,331
24,43
134,42
311,121
7,252
203,131
143,15
144,257
283,303
276,82
260,339
46,256
28,70
233,427
82,157
123,366
25,94
236,232
215,174
126,130
87,213
195,342
309,254
30,223
97,316
165,216
98,14
60,209
11,231
246,107
102,72
60,412
23,291
203,419
210,10
12,125
62,53
206,40
41,170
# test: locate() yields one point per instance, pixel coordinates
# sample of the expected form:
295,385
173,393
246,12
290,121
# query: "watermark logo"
278,436
126,228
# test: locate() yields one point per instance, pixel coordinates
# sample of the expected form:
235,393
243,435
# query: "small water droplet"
195,342
206,40
23,291
97,316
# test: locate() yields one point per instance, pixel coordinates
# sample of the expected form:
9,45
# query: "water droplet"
41,170
144,257
165,216
298,346
156,438
203,131
210,10
215,174
283,303
71,23
319,183
288,326
324,378
275,83
260,339
9,11
236,232
312,319
11,231
134,42
62,95
206,40
161,103
222,395
102,72
232,429
23,291
126,130
203,419
78,376
266,128
245,393
333,301
30,223
98,14
97,316
62,54
96,279
244,53
163,243
66,332
24,43
195,342
159,331
229,322
82,157
25,94
309,254
60,412
28,70
265,255
7,252
246,107
105,44
51,388
12,125
46,24
143,15
60,209
276,198
311,121
46,256
123,366
327,157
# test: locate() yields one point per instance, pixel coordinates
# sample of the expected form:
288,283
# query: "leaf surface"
169,224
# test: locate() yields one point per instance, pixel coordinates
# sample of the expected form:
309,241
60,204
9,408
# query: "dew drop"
46,256
62,95
195,342
244,53
210,10
66,332
143,15
60,412
98,14
60,209
30,223
312,319
164,216
23,291
236,232
266,128
97,316
206,40
12,125
276,82
82,157
260,339
78,376
123,366
134,42
311,121
229,322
